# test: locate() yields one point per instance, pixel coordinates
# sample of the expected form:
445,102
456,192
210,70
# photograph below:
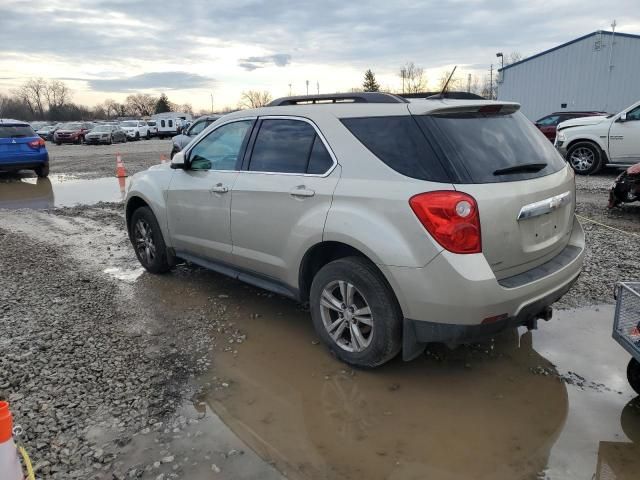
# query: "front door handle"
219,188
302,191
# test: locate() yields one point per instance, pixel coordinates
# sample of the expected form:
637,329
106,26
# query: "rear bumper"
23,162
457,293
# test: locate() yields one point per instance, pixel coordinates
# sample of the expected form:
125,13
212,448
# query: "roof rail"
436,95
358,97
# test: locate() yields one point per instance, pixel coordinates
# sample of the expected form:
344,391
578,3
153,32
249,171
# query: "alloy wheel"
582,159
346,316
143,236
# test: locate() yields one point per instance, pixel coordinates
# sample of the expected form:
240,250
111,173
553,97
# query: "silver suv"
400,222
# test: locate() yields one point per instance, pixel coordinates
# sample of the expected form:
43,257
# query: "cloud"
278,59
152,80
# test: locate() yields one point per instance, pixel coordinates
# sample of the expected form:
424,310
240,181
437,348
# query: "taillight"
36,144
451,217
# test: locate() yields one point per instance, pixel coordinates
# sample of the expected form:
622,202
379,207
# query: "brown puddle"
486,411
58,191
500,410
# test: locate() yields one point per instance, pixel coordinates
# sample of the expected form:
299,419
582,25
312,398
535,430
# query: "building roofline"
618,34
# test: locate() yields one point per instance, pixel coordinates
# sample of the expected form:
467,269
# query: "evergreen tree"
163,104
370,84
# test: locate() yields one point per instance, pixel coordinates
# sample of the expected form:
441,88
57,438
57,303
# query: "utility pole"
289,89
469,83
318,87
211,102
307,87
491,82
402,74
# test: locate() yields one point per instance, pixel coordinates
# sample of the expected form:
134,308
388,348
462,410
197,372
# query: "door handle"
302,191
219,188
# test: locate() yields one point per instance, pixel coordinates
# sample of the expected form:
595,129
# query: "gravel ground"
94,161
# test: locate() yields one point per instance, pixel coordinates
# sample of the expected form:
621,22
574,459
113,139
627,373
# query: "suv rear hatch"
524,189
15,139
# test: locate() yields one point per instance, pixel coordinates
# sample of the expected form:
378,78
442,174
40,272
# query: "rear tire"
633,375
585,158
137,135
339,291
146,237
42,171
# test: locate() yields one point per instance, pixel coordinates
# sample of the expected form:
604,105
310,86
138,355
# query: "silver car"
180,141
400,222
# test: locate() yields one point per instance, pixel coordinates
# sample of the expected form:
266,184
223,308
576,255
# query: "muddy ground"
115,373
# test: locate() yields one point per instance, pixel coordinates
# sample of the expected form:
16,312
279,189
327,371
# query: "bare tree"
186,108
57,94
254,99
141,104
110,107
413,78
512,57
32,93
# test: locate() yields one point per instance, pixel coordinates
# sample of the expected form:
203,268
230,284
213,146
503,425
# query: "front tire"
585,158
137,135
355,312
148,243
42,171
633,375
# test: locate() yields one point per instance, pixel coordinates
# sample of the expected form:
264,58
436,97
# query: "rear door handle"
219,188
302,191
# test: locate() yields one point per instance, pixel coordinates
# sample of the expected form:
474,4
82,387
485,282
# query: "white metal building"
599,71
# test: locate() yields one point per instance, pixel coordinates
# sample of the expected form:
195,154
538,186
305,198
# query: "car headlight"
561,136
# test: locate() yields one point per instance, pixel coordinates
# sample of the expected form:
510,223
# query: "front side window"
634,114
549,121
289,146
197,128
220,149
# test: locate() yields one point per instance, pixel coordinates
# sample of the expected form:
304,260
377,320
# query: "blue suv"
21,148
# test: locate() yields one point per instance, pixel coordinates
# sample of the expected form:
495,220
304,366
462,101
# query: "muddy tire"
633,375
355,312
585,158
42,171
147,241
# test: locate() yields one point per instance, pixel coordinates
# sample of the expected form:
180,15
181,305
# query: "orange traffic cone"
122,181
121,172
9,462
163,158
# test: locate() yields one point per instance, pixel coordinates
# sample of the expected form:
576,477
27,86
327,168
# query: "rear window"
399,142
491,148
16,131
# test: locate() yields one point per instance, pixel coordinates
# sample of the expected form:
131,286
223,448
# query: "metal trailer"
626,327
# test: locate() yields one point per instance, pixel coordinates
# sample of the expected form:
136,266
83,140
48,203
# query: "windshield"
16,131
71,126
129,124
491,148
102,128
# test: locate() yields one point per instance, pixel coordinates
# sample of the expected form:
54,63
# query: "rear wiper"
525,167
18,136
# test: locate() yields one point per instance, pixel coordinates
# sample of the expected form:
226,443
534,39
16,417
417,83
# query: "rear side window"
170,122
162,123
399,143
289,146
492,148
16,131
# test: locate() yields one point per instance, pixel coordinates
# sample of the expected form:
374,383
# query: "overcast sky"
190,49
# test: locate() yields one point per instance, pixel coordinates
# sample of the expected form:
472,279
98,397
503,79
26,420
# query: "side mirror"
623,117
178,162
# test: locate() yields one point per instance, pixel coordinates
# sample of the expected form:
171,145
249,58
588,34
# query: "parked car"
153,128
181,141
72,132
626,188
46,132
591,143
400,222
136,129
21,148
548,124
105,134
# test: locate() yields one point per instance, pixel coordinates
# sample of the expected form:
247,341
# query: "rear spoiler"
483,109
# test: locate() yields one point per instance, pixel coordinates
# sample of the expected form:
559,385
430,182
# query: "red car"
548,124
72,132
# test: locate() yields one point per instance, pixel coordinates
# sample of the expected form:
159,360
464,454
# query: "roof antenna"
444,88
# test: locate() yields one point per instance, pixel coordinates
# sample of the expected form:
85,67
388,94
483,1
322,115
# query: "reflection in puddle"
59,191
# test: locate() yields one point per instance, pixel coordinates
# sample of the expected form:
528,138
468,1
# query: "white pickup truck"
590,143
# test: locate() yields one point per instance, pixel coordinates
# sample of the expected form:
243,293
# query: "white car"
590,143
136,129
